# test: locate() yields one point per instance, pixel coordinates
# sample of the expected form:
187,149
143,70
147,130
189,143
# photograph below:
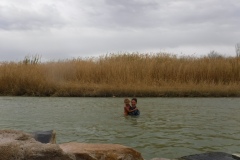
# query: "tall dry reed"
127,74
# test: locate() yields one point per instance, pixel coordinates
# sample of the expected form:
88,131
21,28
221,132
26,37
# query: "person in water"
127,106
131,110
134,111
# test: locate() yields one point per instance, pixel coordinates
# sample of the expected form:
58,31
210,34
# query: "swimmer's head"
126,101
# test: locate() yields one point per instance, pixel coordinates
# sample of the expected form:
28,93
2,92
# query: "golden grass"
123,75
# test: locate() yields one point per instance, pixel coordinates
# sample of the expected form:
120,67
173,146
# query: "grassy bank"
123,75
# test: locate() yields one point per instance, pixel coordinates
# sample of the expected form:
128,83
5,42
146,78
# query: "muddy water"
167,127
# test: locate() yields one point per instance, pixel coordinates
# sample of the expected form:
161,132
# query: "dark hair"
135,99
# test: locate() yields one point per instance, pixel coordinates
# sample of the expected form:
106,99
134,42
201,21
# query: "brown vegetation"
123,75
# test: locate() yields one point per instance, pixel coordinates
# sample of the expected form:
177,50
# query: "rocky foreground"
17,145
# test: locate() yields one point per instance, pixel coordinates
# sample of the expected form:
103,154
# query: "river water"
167,127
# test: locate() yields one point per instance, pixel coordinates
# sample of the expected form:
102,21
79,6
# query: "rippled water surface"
167,127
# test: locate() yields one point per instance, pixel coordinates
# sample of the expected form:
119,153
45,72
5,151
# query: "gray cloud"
64,29
13,17
137,14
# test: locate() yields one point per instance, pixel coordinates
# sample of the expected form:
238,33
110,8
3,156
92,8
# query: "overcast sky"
61,29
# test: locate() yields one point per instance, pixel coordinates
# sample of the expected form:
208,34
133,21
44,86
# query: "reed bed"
126,74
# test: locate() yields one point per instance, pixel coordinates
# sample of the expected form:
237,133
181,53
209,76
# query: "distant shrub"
35,59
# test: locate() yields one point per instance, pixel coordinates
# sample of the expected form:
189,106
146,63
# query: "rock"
209,156
84,151
45,136
17,145
236,156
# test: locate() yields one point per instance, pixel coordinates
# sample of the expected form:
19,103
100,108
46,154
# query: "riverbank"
141,75
16,145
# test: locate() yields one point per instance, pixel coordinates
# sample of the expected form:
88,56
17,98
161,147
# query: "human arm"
128,110
132,110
